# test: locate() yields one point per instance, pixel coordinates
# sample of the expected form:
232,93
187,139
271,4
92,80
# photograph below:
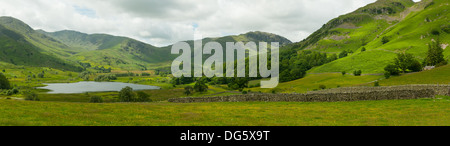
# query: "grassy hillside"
388,112
16,49
408,26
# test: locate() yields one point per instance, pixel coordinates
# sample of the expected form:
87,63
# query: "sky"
164,22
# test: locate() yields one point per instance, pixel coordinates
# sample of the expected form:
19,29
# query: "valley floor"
385,112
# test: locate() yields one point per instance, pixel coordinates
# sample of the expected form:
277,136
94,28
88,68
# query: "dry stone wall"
317,97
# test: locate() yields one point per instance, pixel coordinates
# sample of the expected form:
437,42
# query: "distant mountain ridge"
76,49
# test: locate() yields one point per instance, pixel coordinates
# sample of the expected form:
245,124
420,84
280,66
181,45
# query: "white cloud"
165,22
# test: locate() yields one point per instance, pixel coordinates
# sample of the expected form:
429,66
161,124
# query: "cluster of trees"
345,53
85,75
200,86
127,95
294,65
102,69
107,77
403,63
182,80
406,62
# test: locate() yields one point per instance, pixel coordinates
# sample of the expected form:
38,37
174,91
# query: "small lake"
90,86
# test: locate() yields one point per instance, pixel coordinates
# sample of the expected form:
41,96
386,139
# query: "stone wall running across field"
317,97
439,89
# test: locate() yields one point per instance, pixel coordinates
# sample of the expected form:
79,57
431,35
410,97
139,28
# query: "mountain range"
374,34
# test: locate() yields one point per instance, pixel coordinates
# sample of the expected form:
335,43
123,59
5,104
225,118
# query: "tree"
96,99
343,73
376,84
343,54
143,97
387,75
322,87
188,90
357,72
127,95
392,70
384,40
363,49
31,96
200,86
435,54
406,61
4,83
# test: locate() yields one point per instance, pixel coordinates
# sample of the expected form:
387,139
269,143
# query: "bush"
200,86
41,75
357,72
387,75
96,99
376,84
343,54
363,49
384,40
127,95
244,92
4,83
441,64
435,32
31,96
343,73
143,97
392,70
188,90
446,28
322,87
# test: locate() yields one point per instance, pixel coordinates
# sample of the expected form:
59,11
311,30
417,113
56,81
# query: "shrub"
446,28
96,99
343,73
384,40
31,96
406,61
343,54
392,70
41,75
435,32
4,83
387,75
441,64
357,72
143,97
127,95
322,87
376,84
363,49
200,86
244,92
188,90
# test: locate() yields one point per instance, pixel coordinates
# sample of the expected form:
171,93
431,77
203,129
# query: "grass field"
387,112
313,81
440,75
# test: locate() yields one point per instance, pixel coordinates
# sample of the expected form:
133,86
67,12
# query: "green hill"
408,26
129,54
18,46
111,51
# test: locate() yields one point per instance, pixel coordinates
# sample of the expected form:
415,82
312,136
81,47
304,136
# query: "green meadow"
360,113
